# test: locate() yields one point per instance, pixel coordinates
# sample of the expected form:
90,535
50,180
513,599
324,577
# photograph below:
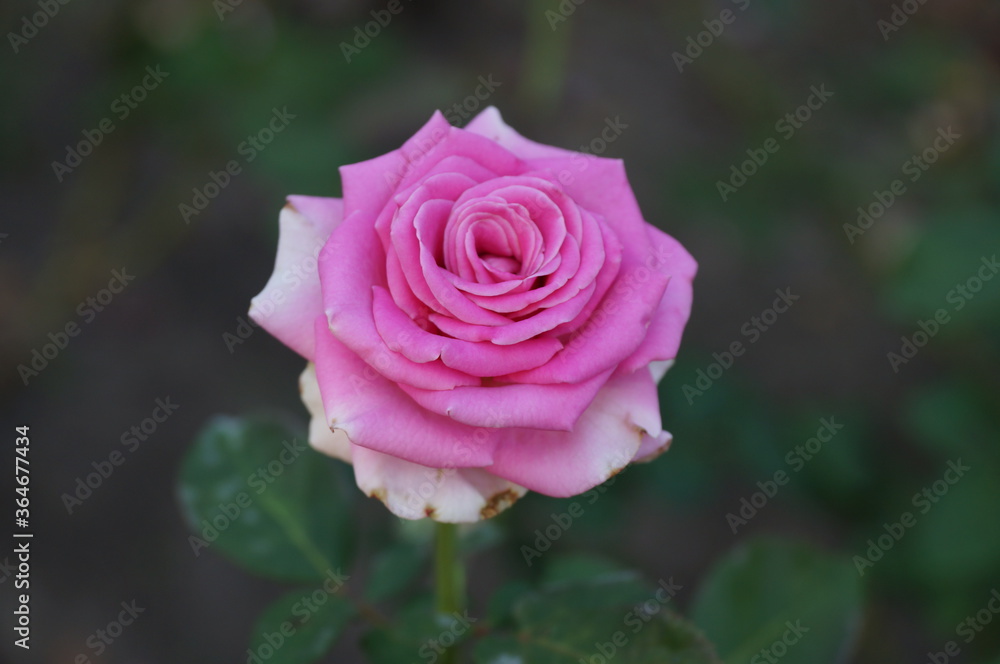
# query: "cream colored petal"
659,368
451,495
330,442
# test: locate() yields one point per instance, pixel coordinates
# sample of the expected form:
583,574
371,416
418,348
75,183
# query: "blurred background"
116,115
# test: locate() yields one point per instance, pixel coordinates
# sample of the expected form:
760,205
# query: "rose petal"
652,447
460,143
409,490
584,255
350,263
328,441
663,337
517,331
368,185
481,359
419,265
291,299
597,184
444,186
615,328
376,414
553,407
490,124
604,440
659,369
412,491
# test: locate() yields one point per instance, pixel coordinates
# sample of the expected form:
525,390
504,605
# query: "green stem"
449,577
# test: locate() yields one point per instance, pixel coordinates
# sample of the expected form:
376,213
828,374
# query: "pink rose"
487,315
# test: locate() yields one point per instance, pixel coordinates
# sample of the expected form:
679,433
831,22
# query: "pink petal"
412,491
614,329
597,184
552,407
582,256
325,213
416,262
490,124
458,143
652,447
368,185
605,439
605,279
456,302
516,332
444,186
291,300
402,294
663,337
351,262
482,359
376,414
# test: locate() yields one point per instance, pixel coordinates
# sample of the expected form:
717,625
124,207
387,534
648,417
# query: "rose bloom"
482,315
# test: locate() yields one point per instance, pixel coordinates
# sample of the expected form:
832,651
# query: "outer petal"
412,491
457,143
659,369
328,441
596,183
490,124
291,299
652,447
663,337
409,490
376,414
606,438
368,185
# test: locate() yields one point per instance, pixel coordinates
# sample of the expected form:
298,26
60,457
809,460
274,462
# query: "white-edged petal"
291,299
448,495
332,442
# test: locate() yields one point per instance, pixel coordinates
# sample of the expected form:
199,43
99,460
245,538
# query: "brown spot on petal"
655,454
379,493
429,511
498,503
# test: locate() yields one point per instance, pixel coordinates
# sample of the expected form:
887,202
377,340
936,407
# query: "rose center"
490,240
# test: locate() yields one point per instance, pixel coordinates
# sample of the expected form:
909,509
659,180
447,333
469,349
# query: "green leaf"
301,626
770,592
615,616
394,569
418,633
255,492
